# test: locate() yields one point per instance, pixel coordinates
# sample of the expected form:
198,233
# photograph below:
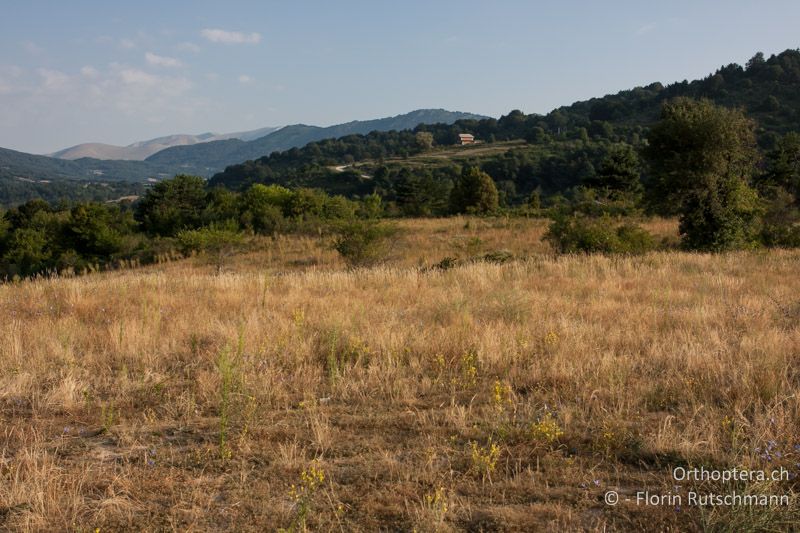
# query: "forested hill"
215,156
14,164
768,89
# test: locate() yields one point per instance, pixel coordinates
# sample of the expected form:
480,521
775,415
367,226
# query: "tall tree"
172,205
703,158
417,193
95,230
619,171
424,140
409,193
475,192
783,165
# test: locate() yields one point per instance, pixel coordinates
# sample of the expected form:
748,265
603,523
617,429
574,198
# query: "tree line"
704,166
178,215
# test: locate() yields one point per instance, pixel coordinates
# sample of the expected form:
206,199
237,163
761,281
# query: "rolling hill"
40,167
208,158
768,89
26,176
139,151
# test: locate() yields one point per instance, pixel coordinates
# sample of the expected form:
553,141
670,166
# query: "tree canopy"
703,158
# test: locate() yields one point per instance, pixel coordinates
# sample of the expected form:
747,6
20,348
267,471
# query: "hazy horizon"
92,72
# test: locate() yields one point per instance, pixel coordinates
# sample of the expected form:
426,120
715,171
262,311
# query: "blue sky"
85,71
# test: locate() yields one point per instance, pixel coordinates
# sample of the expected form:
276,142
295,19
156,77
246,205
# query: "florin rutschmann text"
708,498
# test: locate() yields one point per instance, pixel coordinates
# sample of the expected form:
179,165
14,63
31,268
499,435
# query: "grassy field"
290,392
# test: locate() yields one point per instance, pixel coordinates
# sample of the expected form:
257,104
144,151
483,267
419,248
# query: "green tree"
417,193
474,192
780,186
27,252
535,200
409,193
371,206
307,204
616,186
262,207
424,140
536,135
269,195
94,230
619,171
5,229
339,208
783,166
172,205
221,205
24,215
703,158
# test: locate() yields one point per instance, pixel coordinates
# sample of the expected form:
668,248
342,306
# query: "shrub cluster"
578,234
362,242
176,216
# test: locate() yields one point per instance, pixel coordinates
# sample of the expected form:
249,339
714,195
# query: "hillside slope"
768,89
564,146
40,167
214,156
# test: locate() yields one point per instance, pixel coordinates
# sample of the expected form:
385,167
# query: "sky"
121,72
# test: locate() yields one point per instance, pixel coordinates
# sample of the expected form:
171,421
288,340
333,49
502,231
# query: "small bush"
266,220
499,256
445,264
588,235
781,225
363,242
633,239
218,241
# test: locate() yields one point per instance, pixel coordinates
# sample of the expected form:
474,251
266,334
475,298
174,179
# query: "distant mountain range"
139,151
210,157
23,175
208,153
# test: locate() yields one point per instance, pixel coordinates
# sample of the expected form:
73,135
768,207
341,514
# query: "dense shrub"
475,192
575,234
782,236
363,242
217,241
782,232
173,205
177,216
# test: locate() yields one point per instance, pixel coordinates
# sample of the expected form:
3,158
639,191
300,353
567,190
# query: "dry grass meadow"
290,392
